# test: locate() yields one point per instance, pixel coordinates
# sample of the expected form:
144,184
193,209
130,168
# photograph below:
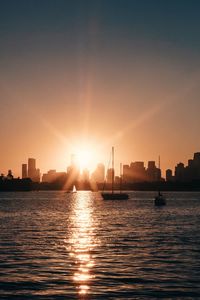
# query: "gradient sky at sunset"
101,73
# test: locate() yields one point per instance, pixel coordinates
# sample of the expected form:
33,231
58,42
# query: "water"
55,245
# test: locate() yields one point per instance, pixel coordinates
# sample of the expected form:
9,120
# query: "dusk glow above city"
81,76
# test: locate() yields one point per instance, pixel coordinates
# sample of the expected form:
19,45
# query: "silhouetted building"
197,158
31,165
169,176
189,173
190,163
33,173
110,175
126,173
50,176
2,177
99,174
180,172
159,175
196,166
137,171
192,171
24,171
57,178
152,172
10,175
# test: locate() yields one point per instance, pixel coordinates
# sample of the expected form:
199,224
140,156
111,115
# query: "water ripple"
55,245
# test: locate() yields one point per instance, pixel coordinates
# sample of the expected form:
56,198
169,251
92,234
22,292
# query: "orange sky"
98,83
142,117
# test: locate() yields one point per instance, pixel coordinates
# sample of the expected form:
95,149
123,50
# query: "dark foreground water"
55,245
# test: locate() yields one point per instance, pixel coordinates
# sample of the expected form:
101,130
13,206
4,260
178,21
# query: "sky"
96,74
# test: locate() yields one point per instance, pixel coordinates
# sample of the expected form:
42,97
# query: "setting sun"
85,156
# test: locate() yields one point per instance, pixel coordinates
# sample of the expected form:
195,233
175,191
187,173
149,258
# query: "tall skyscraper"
31,167
180,172
24,171
99,173
152,172
33,173
126,173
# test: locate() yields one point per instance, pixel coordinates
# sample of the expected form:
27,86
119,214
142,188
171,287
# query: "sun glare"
85,157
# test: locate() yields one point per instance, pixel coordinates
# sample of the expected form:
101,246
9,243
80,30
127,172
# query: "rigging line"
104,184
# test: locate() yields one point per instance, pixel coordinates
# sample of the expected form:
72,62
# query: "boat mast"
112,170
120,178
158,175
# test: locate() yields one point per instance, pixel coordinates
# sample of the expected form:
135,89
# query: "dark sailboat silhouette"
113,195
159,200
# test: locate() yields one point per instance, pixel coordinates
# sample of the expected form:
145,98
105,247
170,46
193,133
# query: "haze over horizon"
95,74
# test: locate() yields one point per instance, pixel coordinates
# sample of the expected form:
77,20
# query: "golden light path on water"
82,240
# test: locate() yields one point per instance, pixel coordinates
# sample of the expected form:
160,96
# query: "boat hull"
115,196
159,201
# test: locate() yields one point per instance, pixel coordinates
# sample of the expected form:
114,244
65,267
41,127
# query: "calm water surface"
55,245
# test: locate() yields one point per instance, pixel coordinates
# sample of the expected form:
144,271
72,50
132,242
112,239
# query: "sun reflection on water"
82,241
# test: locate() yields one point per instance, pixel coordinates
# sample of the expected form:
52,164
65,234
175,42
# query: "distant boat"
159,200
113,195
74,189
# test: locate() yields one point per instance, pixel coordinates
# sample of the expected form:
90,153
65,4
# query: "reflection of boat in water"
159,200
112,195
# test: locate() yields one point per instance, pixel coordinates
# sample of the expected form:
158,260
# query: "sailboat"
113,195
74,189
159,200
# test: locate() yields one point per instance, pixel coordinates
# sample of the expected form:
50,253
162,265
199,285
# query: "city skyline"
94,74
65,162
133,171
